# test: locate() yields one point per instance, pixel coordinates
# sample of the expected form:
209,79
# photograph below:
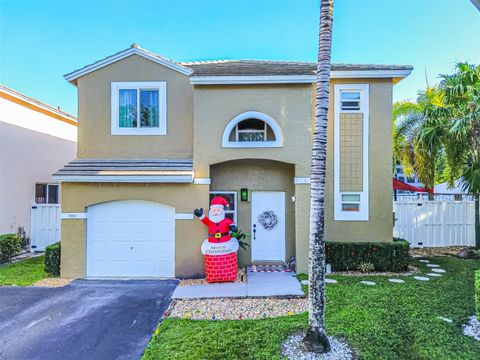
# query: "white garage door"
130,239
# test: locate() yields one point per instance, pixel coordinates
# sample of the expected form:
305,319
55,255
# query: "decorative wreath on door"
268,219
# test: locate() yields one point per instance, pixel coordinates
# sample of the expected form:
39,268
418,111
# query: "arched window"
252,129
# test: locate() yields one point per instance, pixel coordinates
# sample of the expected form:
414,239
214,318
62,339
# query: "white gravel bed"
293,350
472,328
411,270
236,309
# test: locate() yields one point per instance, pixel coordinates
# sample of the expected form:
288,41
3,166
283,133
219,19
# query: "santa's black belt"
221,234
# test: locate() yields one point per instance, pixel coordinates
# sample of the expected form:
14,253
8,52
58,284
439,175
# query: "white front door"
130,238
268,226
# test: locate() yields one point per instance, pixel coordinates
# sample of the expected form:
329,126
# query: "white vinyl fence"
44,226
435,223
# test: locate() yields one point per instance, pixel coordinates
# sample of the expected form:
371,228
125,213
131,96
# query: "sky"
40,41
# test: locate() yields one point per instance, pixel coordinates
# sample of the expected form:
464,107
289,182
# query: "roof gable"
134,49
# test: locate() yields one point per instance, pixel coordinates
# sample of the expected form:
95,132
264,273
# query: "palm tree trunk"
477,221
316,339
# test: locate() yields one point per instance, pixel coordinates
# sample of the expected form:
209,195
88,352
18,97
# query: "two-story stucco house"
158,138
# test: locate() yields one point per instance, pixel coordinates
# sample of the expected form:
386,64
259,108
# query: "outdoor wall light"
244,194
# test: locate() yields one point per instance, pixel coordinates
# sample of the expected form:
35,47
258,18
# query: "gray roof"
271,68
80,168
238,67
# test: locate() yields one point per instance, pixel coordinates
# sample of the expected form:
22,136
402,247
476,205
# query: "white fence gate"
435,223
44,226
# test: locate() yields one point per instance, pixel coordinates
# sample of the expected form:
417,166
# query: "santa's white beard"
216,218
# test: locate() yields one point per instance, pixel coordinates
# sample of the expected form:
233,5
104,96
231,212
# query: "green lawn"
387,321
23,273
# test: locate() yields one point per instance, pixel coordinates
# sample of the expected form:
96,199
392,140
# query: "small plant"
241,237
9,246
24,239
52,259
366,267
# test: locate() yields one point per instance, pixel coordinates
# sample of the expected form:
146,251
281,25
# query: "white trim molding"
301,180
298,79
183,216
252,144
134,50
363,213
202,181
161,86
73,216
125,178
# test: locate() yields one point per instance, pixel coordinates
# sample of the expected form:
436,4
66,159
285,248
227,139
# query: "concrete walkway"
259,284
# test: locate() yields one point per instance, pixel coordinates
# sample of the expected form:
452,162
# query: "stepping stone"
424,261
445,319
305,282
396,281
330,281
417,256
369,283
433,274
421,278
433,265
438,270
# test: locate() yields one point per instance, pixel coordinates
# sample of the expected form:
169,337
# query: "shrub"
477,294
9,246
52,259
392,256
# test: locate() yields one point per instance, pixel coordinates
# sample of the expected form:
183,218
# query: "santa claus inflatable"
220,249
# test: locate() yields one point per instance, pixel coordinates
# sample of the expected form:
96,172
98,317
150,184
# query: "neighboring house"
158,138
35,139
410,180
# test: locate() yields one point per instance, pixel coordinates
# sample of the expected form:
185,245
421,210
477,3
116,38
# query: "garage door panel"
130,239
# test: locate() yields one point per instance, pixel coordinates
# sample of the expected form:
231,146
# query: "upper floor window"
139,108
252,129
350,100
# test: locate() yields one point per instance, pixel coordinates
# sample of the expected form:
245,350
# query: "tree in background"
418,133
439,136
316,339
462,142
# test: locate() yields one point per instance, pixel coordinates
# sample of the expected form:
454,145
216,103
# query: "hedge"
393,256
10,244
477,294
52,259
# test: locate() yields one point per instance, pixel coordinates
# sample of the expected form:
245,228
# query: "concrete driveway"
88,319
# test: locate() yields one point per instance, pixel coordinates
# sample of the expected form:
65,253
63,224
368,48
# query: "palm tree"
420,128
462,142
316,339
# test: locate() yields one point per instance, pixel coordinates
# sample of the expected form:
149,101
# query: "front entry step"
269,267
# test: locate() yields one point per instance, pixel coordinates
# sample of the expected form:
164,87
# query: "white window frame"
232,125
230,192
47,192
161,86
363,213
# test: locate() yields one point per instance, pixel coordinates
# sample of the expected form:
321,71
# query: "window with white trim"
252,129
138,108
351,114
231,208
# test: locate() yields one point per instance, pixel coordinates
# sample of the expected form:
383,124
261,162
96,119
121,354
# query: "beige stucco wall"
289,105
257,175
94,109
189,234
